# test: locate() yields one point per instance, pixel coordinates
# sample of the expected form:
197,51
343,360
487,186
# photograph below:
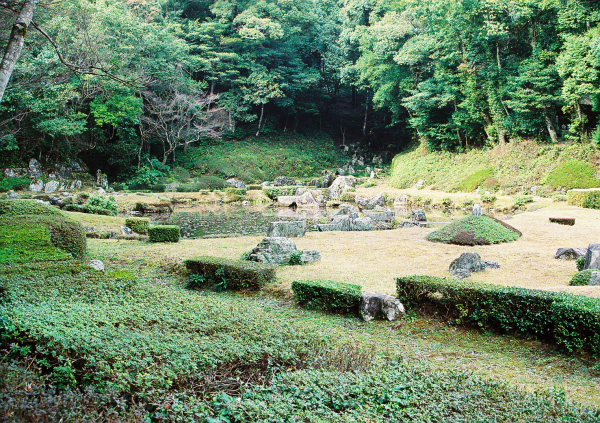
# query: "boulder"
15,172
370,203
35,168
56,201
96,264
287,229
381,216
420,184
594,278
362,224
273,250
477,210
236,183
37,186
283,181
126,230
570,253
347,210
461,273
287,200
310,256
490,264
592,257
467,261
341,184
418,216
11,195
380,306
327,227
51,187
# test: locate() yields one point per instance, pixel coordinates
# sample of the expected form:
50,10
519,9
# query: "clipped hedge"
588,198
338,297
570,321
86,208
230,273
164,233
138,225
25,242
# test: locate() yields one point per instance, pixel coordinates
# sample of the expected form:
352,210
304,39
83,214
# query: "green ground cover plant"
574,174
588,198
164,233
29,207
337,297
475,179
570,321
22,242
97,204
230,273
581,278
7,184
475,230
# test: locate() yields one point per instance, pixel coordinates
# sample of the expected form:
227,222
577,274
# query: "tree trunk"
15,43
260,120
550,126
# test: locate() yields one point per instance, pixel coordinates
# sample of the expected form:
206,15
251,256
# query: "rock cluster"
467,263
279,250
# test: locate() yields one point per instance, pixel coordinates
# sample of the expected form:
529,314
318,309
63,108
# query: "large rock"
11,195
570,253
273,250
236,183
283,181
470,262
15,172
35,168
347,210
310,256
306,199
362,224
287,229
37,186
51,187
341,184
380,306
381,216
96,264
418,215
592,258
370,203
477,210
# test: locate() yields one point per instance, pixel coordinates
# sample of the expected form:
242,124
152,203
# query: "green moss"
164,233
475,179
475,230
574,174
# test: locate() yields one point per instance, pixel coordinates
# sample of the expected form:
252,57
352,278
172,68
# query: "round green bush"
475,230
581,278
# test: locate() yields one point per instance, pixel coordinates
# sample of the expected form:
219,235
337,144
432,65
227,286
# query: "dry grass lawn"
375,259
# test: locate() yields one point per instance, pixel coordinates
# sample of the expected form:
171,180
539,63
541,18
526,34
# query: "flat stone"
96,264
460,273
310,256
570,253
273,250
490,264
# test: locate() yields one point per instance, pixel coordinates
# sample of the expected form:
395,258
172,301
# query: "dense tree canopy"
454,73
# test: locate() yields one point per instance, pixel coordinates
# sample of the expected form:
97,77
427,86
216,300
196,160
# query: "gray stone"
477,210
461,273
381,216
282,181
37,186
341,184
101,179
370,203
11,195
236,183
418,216
287,229
380,306
362,224
51,187
327,227
96,264
310,256
15,172
570,253
592,258
420,184
126,230
273,250
56,201
594,278
467,261
490,264
35,168
344,223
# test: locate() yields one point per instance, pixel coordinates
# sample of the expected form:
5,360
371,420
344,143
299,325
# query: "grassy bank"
523,164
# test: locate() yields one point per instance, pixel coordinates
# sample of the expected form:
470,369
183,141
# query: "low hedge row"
230,273
588,198
85,208
338,297
570,321
164,233
138,225
274,192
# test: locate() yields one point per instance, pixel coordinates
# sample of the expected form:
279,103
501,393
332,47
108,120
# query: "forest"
131,85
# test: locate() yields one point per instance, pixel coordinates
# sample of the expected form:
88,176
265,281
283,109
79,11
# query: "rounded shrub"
164,233
581,278
475,230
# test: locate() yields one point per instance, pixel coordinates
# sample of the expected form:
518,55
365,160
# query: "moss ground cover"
475,230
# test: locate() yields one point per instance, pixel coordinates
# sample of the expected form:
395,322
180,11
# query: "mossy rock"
475,230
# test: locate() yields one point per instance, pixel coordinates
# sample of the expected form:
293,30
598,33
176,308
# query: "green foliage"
23,242
570,321
397,393
164,233
204,183
581,278
488,199
7,184
139,225
239,274
574,174
147,177
274,192
475,230
476,179
580,263
333,296
588,198
296,259
521,200
30,207
97,204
